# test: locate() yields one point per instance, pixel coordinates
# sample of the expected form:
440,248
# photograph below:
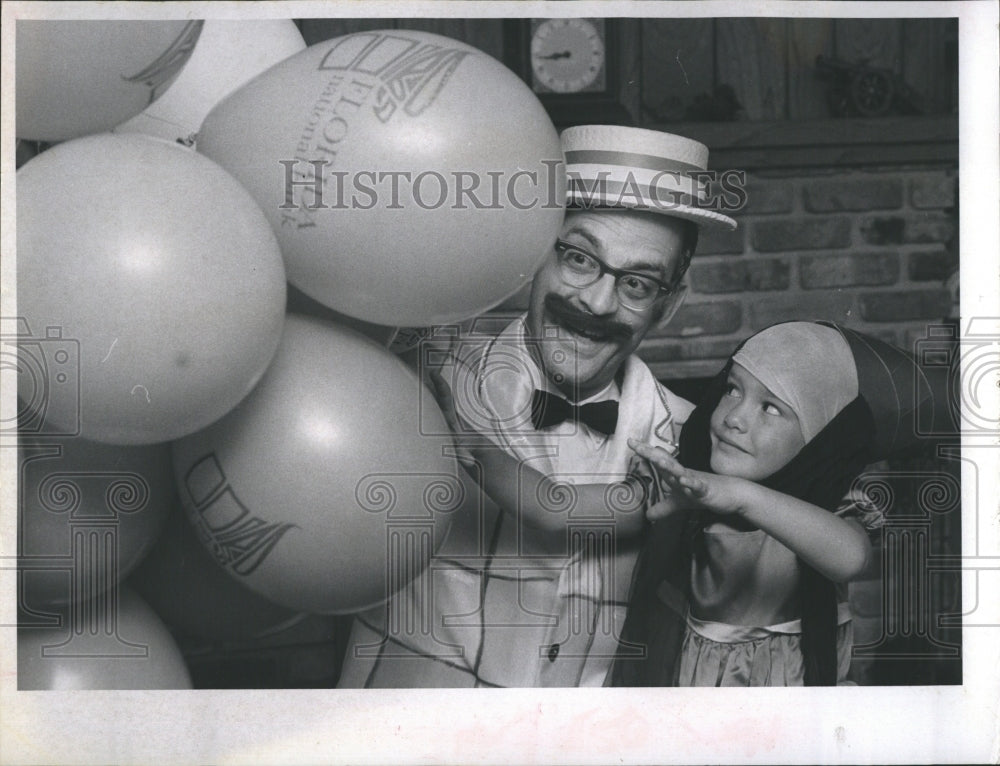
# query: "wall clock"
572,66
568,56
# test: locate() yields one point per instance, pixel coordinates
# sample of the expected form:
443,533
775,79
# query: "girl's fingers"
657,512
656,455
694,487
646,450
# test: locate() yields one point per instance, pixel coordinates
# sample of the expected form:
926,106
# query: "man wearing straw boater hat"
534,597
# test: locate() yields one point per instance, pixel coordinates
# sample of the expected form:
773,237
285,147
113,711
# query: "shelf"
824,143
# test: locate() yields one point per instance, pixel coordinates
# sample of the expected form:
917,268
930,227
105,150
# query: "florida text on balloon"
410,178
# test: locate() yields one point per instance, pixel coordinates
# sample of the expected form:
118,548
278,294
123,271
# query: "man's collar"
611,392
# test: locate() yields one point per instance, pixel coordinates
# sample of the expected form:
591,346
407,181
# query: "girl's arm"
532,497
837,548
549,505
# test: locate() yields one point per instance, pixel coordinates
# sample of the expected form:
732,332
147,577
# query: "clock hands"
567,55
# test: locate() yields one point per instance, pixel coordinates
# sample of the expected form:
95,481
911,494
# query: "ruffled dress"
742,626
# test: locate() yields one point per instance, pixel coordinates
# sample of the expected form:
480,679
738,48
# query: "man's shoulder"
476,338
676,405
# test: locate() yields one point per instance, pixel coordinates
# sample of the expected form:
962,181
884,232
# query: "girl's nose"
601,297
735,419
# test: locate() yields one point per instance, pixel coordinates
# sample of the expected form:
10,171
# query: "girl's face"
753,432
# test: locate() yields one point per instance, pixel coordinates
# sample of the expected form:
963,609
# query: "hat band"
628,159
665,183
665,180
602,193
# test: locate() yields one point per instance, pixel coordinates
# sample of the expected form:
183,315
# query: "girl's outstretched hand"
721,494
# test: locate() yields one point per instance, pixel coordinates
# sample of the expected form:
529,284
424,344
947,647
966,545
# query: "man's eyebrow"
645,266
636,266
583,233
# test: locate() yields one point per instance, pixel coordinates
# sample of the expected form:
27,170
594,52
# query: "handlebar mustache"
563,311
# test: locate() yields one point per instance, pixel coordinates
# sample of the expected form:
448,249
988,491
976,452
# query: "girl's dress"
744,589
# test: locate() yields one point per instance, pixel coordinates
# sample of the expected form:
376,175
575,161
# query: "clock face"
567,56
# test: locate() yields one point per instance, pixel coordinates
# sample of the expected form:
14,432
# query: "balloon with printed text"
151,290
327,488
411,179
192,594
86,76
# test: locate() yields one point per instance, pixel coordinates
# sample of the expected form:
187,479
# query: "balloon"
80,77
191,593
229,54
327,488
88,512
124,647
440,179
149,281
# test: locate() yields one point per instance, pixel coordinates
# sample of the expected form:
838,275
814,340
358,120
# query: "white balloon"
78,77
229,54
156,283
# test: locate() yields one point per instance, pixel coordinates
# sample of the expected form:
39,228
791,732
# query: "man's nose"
600,297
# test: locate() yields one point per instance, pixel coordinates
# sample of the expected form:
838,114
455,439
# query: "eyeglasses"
579,268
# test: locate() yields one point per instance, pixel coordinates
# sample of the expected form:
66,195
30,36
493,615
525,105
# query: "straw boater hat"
608,166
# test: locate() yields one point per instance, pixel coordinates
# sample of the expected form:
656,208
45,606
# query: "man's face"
593,332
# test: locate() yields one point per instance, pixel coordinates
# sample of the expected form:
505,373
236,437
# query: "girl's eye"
771,409
732,390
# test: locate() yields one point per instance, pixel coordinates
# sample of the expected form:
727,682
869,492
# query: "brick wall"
868,248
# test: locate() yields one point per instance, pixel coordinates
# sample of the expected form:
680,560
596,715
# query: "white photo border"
842,725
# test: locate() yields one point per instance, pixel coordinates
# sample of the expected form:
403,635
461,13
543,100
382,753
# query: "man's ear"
670,306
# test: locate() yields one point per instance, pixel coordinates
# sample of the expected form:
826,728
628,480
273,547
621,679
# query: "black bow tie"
548,409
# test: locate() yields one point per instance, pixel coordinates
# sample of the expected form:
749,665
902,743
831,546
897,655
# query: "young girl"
779,437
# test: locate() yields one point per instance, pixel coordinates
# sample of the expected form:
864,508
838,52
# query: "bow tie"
548,409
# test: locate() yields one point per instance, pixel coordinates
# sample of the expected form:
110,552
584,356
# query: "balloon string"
392,337
282,626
